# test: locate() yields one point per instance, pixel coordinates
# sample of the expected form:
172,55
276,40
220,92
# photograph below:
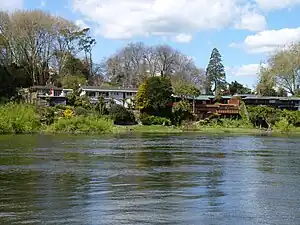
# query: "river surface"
149,179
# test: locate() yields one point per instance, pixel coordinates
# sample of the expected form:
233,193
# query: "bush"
80,111
18,118
61,107
225,123
47,115
121,115
100,106
283,125
82,124
181,111
154,120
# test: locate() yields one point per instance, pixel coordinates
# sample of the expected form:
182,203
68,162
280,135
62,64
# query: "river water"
149,179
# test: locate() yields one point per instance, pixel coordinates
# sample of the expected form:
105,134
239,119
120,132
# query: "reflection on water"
149,179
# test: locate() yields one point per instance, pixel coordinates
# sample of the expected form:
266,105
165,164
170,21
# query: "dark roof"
95,88
46,87
273,98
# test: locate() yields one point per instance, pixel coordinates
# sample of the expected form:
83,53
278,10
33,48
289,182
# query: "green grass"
146,129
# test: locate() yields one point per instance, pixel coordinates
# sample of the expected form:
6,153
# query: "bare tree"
129,66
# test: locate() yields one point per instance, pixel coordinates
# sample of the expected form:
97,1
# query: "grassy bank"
22,118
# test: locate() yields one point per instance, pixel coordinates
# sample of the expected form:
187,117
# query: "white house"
121,96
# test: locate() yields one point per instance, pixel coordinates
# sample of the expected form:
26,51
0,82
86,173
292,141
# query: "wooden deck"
228,109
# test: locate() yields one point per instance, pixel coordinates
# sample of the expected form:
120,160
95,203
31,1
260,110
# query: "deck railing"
218,108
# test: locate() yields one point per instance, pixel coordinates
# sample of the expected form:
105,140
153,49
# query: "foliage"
261,116
82,124
181,111
47,115
237,88
18,118
121,115
183,88
283,125
154,95
80,111
154,120
282,72
100,106
73,99
73,81
215,74
293,117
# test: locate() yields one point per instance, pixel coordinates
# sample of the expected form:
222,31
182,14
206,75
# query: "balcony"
217,108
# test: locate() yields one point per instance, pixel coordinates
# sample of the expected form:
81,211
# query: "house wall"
118,96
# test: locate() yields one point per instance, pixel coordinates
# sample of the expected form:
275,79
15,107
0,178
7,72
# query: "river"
149,179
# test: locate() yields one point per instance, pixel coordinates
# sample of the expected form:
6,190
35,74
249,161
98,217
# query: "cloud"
276,4
43,3
269,40
11,4
117,19
248,70
251,21
81,24
183,38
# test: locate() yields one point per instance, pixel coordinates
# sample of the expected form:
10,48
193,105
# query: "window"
91,94
272,101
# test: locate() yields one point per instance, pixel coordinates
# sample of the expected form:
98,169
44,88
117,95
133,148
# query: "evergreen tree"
215,74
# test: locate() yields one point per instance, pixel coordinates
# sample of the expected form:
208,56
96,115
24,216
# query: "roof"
108,89
273,98
204,97
46,87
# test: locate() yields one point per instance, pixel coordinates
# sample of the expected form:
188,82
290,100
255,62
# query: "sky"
244,31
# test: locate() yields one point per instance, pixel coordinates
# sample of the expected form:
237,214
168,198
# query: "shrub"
181,111
283,125
18,118
121,115
47,115
154,120
82,124
100,106
61,107
80,111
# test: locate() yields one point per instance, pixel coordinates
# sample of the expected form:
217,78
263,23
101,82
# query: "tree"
266,84
215,73
134,63
237,88
284,68
154,95
40,43
184,88
73,81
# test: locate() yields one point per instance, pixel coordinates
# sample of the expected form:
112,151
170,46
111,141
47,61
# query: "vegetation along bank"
55,52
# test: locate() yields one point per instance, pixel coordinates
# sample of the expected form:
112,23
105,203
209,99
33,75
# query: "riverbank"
27,119
201,130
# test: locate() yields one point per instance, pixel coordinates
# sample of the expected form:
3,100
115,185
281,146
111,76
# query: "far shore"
159,129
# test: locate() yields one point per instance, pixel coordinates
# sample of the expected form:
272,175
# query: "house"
46,95
289,103
207,105
121,96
